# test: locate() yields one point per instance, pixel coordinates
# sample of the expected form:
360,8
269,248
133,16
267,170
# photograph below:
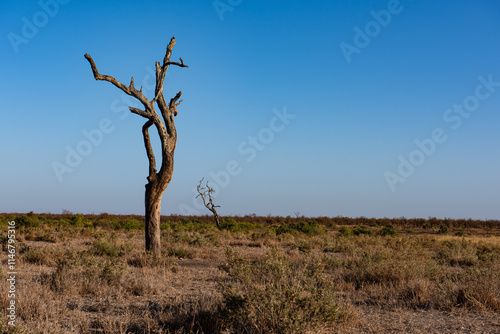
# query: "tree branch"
181,64
140,112
130,90
149,150
168,53
166,127
162,70
173,105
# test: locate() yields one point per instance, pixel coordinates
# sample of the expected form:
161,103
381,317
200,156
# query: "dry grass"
82,274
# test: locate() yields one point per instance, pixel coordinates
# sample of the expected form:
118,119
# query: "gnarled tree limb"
162,70
130,90
140,112
173,105
149,150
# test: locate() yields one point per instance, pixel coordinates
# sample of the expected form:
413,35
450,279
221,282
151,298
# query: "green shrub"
362,230
104,223
330,225
272,295
310,228
282,229
89,223
77,220
26,221
345,231
230,225
166,226
132,224
186,224
243,227
389,230
443,229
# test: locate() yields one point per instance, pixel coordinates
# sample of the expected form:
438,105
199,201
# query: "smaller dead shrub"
481,291
106,248
112,273
61,280
457,253
38,256
138,286
417,293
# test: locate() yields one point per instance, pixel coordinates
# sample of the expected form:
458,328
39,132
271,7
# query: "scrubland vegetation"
88,274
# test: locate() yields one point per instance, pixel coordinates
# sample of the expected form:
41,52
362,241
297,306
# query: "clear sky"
352,108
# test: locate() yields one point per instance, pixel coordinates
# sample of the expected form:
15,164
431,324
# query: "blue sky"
316,106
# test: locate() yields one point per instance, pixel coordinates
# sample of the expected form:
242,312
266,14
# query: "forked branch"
162,70
130,90
168,54
166,128
206,195
173,105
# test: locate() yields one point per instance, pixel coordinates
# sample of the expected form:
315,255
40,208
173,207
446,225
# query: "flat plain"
89,274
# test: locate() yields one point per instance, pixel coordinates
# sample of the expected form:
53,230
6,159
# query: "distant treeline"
135,221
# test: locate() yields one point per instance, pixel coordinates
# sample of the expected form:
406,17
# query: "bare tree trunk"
154,192
157,181
153,213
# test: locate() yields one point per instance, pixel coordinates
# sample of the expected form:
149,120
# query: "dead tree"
206,195
157,181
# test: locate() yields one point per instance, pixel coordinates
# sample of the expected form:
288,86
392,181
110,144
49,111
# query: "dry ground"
87,278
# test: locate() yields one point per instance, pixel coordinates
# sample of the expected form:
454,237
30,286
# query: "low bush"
362,230
389,230
443,229
273,295
233,226
128,225
345,231
26,221
310,228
